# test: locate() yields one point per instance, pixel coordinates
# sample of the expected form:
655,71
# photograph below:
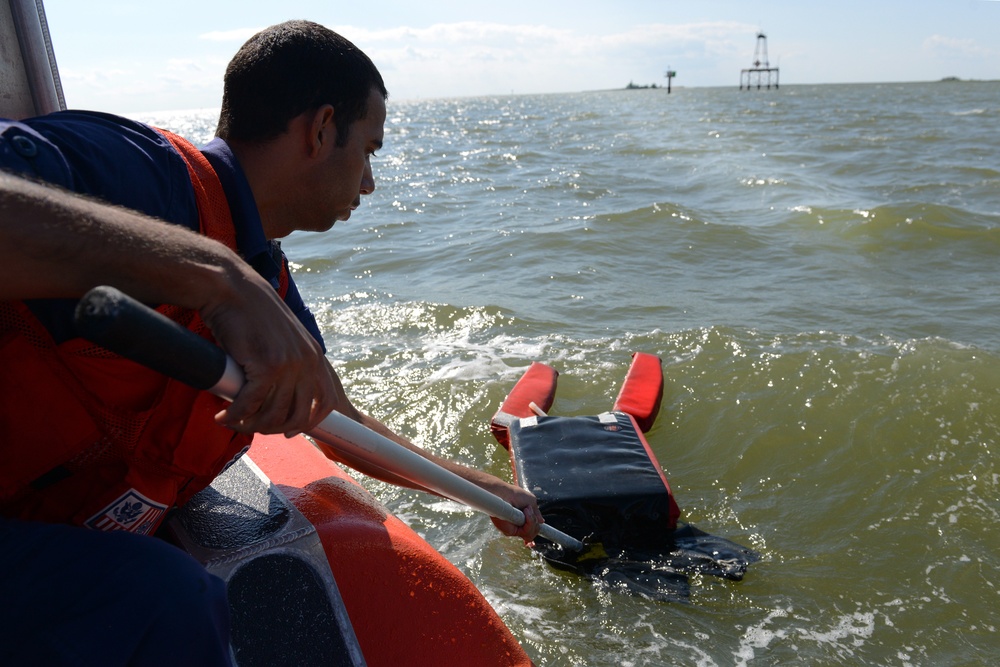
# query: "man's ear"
322,130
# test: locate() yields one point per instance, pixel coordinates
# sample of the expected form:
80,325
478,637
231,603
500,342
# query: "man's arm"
515,495
57,244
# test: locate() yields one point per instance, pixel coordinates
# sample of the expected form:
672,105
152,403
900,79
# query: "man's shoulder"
95,131
26,152
116,159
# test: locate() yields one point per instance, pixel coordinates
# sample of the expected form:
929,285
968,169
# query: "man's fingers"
528,531
296,405
239,414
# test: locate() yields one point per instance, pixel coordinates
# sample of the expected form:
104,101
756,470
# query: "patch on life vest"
132,512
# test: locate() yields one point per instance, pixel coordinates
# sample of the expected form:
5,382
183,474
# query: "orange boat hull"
407,603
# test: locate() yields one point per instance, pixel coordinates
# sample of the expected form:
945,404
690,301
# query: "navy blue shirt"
127,163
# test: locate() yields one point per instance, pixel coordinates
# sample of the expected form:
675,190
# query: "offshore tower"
761,75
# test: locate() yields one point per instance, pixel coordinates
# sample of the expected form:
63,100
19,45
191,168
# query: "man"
67,590
303,111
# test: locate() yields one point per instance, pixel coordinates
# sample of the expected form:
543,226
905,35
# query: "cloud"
465,58
949,47
515,37
236,35
473,57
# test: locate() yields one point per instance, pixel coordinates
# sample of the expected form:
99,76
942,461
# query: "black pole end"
116,321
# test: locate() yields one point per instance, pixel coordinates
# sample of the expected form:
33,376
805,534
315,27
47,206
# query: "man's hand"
527,503
290,387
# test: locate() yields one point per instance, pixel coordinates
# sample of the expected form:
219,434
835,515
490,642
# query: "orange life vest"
92,439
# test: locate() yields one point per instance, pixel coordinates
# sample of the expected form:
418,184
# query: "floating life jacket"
597,479
93,439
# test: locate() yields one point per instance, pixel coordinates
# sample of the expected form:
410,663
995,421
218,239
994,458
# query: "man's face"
344,173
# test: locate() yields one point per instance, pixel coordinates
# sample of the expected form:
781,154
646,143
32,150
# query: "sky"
132,56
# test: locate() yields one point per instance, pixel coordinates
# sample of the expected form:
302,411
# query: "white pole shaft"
356,440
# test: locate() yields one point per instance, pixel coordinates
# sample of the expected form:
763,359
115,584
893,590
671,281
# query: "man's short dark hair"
291,68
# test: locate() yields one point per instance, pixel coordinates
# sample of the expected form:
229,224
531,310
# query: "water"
816,267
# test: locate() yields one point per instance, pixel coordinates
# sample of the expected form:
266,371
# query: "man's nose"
368,181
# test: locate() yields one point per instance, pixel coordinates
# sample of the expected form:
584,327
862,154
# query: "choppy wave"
815,266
